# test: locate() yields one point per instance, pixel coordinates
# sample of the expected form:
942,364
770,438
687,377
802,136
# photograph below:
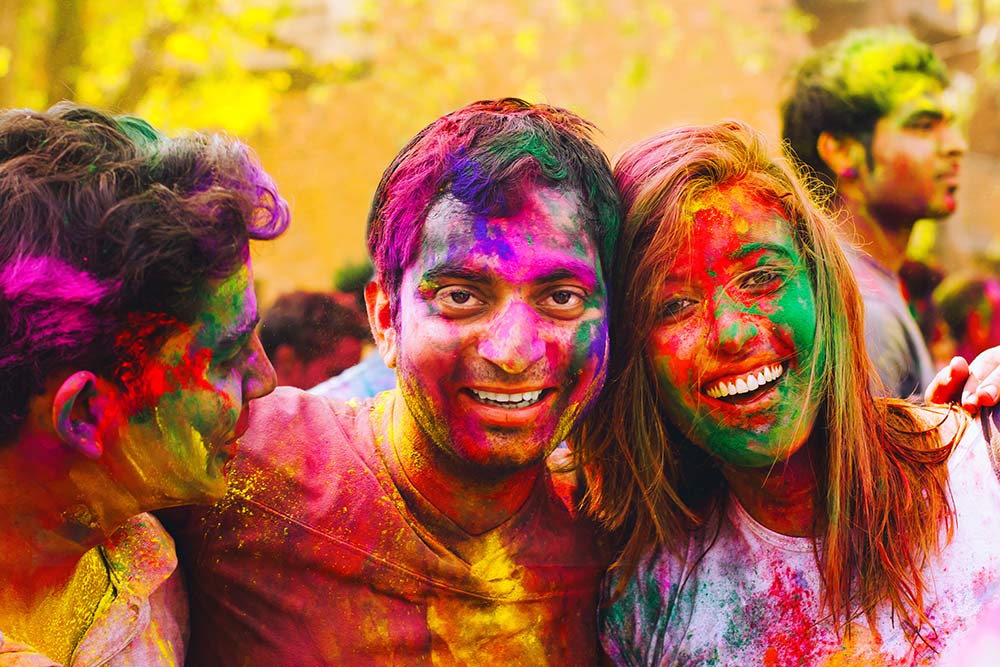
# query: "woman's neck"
781,497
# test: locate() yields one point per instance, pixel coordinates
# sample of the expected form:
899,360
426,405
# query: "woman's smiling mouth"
746,383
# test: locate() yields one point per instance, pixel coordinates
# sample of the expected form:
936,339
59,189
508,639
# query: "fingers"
983,386
950,382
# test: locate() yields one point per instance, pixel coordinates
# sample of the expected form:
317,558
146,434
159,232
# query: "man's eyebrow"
452,271
584,272
581,271
238,335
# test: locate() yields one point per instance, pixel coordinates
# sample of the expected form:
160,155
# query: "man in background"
312,336
869,115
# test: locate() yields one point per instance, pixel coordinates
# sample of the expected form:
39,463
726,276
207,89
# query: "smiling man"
425,526
869,115
127,361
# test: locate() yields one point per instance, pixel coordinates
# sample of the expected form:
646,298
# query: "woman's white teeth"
508,400
750,382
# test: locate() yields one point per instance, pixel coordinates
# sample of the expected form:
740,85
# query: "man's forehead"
535,203
914,92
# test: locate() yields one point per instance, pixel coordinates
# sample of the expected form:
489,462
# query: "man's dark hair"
310,323
487,155
108,229
845,87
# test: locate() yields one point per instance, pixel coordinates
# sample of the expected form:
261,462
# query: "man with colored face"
869,115
425,526
128,358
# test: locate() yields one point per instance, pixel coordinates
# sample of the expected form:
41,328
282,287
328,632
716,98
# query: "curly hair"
882,494
103,218
485,155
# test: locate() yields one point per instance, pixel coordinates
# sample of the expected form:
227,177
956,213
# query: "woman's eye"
766,279
676,307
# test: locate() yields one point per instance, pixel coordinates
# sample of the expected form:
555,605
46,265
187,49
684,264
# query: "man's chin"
499,460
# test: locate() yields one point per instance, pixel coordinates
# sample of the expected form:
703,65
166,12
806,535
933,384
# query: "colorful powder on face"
748,295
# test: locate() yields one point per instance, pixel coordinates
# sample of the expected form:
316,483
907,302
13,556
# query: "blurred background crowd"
327,91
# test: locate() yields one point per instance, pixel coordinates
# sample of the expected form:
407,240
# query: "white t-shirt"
754,598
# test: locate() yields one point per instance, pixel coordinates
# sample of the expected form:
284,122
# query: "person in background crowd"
869,115
969,307
370,376
311,336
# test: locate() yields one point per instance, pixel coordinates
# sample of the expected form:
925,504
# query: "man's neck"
49,520
476,503
885,243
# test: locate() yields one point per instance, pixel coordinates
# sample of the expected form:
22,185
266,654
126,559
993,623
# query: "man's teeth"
508,400
747,383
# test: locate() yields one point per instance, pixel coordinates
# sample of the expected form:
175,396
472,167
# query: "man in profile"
869,115
425,526
127,361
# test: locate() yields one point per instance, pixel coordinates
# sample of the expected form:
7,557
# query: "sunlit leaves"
183,63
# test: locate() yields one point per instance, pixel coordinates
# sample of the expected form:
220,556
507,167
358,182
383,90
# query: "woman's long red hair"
882,498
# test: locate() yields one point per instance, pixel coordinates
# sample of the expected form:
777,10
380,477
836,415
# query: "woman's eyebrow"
749,248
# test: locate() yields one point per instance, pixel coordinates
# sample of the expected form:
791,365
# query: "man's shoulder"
297,441
290,421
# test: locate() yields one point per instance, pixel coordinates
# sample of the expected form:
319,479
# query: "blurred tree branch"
201,63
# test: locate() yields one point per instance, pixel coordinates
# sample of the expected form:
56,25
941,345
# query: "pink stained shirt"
317,557
143,622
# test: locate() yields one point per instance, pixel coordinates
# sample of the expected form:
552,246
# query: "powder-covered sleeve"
990,424
640,626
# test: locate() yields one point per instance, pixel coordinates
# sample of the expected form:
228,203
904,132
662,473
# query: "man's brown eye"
460,297
562,297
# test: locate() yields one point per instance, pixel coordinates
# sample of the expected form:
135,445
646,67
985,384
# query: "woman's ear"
76,414
380,318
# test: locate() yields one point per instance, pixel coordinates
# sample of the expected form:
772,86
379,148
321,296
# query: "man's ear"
76,414
380,319
845,156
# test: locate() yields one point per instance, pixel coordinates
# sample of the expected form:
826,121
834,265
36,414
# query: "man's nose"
259,379
513,342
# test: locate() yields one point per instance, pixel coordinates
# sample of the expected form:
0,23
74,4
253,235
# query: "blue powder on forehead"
490,239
